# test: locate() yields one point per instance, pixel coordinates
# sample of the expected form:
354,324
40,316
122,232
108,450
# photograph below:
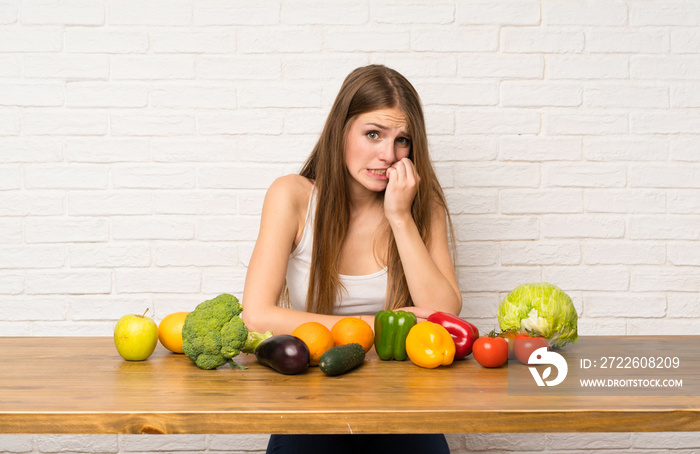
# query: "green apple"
135,337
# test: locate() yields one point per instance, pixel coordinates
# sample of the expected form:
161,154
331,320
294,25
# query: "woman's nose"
387,152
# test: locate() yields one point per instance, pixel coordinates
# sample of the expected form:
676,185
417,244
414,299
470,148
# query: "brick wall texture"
138,137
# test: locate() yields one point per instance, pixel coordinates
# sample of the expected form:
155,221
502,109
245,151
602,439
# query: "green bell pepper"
390,331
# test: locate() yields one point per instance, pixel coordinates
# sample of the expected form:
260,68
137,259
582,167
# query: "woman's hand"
401,190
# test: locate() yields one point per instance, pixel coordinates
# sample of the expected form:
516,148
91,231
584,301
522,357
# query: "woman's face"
375,141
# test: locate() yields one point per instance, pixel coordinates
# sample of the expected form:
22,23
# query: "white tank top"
363,294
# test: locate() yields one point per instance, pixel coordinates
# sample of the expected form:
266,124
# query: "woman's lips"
379,174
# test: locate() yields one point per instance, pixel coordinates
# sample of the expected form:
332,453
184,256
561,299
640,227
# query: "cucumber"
341,359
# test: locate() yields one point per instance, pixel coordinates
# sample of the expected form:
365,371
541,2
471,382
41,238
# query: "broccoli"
214,333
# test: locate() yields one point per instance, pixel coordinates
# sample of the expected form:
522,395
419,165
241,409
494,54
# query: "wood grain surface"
81,385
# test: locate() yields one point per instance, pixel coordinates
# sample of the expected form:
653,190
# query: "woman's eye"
373,135
403,141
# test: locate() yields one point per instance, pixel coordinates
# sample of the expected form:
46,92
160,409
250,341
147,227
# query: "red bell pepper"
463,333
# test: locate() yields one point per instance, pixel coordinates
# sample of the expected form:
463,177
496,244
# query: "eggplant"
284,353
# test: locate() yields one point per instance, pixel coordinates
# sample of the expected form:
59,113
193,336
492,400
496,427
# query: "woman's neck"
363,200
368,203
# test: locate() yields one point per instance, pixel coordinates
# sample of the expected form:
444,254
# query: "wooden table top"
81,385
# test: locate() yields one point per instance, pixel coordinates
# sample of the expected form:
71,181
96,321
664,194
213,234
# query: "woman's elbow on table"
254,319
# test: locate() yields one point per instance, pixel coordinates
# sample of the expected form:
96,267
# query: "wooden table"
81,385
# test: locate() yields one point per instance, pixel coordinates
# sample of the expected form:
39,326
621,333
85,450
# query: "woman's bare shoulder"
293,190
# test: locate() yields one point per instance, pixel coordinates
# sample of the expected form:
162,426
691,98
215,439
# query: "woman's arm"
428,268
281,221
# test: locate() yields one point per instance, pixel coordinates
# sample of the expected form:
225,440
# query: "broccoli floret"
233,337
214,333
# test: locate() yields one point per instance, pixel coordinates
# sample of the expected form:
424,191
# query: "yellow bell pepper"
430,345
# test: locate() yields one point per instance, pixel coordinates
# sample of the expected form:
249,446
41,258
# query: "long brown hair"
364,90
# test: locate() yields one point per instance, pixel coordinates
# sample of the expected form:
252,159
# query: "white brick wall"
137,139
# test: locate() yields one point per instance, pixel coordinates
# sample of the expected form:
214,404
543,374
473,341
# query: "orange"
317,337
170,331
352,329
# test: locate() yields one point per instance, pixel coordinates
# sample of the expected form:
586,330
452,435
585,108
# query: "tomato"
525,344
490,351
510,337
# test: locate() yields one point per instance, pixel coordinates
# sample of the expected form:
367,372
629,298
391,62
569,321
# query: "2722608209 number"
639,362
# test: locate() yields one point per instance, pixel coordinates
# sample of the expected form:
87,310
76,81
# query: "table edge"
429,421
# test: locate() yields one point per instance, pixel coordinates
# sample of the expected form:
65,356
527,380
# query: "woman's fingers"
401,189
404,171
397,172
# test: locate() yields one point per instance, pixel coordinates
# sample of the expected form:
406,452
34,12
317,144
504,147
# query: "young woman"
363,227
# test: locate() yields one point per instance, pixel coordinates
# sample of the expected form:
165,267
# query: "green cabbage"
541,308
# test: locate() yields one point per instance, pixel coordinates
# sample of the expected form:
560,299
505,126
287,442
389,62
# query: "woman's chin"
377,186
371,184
